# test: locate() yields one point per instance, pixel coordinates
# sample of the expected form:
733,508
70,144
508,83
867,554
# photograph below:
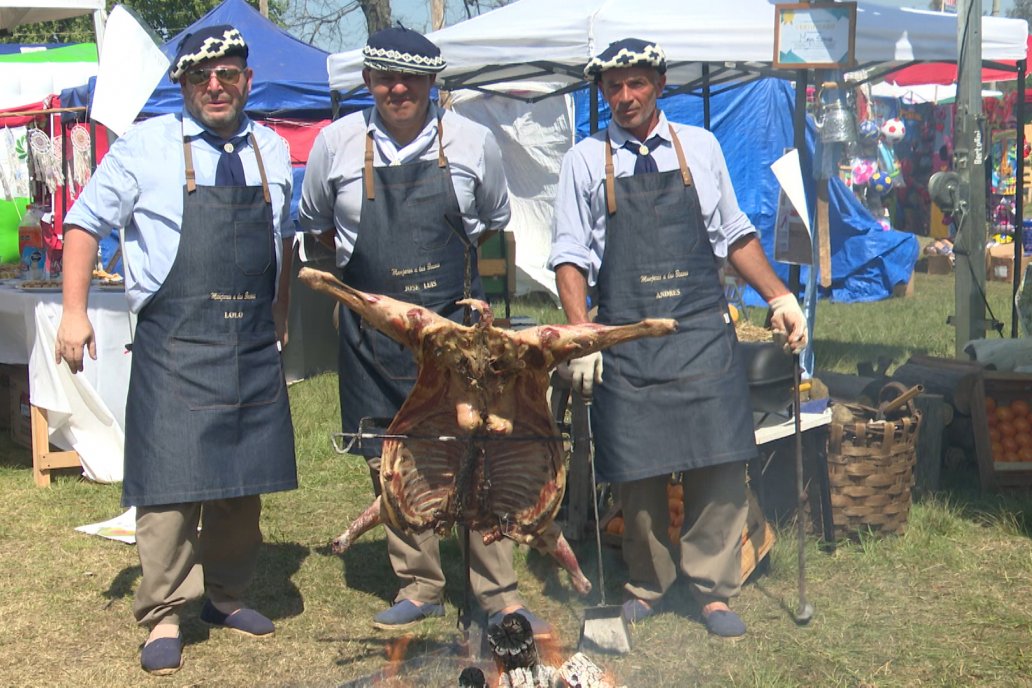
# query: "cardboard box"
1001,269
18,404
940,265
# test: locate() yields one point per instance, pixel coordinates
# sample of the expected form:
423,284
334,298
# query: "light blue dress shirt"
332,193
139,187
579,223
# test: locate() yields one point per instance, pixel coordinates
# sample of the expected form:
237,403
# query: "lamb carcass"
478,445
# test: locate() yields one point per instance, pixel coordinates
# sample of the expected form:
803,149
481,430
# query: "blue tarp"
753,123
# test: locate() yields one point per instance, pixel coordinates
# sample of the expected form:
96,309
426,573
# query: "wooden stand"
43,460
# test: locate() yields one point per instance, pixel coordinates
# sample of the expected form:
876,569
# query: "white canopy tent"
546,40
17,12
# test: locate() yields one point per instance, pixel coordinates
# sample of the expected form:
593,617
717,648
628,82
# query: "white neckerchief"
411,151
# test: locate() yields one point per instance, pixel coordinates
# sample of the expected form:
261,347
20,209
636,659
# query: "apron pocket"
259,373
205,374
253,246
702,348
394,360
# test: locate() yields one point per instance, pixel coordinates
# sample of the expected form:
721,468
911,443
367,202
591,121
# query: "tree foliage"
1021,9
165,17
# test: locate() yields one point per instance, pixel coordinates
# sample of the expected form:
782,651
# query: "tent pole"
799,141
593,114
706,96
1019,193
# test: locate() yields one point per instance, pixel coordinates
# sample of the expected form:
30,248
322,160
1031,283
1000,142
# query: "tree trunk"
377,14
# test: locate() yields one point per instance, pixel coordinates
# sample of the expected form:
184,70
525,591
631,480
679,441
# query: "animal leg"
366,521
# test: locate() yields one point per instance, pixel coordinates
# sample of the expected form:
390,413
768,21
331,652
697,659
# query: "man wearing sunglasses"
203,197
405,191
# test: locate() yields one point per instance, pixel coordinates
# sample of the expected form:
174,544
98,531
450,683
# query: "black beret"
629,52
207,44
402,50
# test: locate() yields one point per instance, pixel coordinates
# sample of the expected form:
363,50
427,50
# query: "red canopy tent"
946,72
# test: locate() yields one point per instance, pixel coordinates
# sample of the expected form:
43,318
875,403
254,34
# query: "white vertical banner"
792,238
131,65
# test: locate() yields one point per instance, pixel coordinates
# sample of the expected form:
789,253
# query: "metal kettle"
835,121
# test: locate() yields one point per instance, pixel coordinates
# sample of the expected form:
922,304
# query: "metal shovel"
804,612
604,628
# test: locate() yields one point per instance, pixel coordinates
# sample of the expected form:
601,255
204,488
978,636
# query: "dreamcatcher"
81,158
46,160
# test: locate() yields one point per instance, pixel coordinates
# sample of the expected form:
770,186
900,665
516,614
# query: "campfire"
510,657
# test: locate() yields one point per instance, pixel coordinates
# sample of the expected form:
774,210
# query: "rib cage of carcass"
486,386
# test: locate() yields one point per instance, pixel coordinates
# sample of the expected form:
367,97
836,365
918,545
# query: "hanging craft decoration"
46,162
81,163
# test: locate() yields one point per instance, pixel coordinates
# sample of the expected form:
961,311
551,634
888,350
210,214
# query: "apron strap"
610,181
686,174
442,161
261,169
368,168
191,177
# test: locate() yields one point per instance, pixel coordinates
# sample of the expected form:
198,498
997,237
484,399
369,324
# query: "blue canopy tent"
753,123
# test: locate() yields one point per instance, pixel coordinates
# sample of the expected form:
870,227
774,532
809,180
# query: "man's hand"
789,322
280,316
583,373
73,335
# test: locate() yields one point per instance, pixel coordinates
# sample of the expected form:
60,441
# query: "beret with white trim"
628,52
207,44
402,50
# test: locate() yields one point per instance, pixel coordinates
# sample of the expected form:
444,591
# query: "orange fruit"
990,404
994,434
1021,407
1025,454
1024,439
1009,444
997,454
1006,428
1004,413
1011,457
991,420
1021,424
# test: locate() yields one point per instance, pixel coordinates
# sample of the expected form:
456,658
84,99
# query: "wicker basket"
871,469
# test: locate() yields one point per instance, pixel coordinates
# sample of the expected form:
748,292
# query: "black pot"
770,373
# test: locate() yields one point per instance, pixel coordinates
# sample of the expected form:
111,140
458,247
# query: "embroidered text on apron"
207,415
676,402
411,246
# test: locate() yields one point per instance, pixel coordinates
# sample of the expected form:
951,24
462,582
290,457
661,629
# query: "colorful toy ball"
868,131
880,182
893,130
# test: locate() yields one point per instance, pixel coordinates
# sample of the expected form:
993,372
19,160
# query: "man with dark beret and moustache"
203,199
644,211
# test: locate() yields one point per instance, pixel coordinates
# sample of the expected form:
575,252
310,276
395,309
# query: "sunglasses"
227,76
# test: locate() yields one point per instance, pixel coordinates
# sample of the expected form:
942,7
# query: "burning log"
475,442
516,656
551,542
580,672
472,677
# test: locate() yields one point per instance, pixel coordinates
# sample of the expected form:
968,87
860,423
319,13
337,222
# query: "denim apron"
207,415
411,246
681,401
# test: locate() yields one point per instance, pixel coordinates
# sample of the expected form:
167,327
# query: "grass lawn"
947,604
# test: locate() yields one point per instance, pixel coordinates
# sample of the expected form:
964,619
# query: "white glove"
582,373
789,322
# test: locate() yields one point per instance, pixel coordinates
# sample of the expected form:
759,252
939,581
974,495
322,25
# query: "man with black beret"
405,191
203,197
644,211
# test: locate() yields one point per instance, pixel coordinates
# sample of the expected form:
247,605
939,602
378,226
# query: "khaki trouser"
715,510
416,560
181,564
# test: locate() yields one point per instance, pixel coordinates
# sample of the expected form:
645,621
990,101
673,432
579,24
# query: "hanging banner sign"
792,242
821,35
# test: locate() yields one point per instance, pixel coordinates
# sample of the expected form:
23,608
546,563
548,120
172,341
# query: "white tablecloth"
86,411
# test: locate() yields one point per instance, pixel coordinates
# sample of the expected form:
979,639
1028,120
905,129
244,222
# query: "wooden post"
43,460
936,414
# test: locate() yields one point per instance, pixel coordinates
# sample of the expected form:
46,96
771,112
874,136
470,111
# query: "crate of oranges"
1001,413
